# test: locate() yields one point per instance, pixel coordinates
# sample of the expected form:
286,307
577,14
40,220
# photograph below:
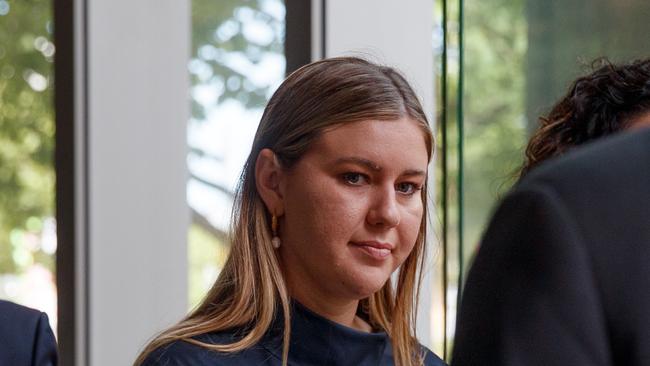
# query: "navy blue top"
26,338
314,341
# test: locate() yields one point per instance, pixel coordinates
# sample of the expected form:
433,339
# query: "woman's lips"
375,250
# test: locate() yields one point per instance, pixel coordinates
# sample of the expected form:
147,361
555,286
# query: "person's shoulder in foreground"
25,337
562,274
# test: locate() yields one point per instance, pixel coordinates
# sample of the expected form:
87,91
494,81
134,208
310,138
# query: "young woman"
331,202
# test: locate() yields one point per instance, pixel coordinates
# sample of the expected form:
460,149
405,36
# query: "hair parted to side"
598,104
250,288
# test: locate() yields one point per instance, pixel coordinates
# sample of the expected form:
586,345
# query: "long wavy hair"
599,104
250,288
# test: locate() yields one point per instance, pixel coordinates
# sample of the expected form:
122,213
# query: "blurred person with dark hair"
562,276
26,338
610,99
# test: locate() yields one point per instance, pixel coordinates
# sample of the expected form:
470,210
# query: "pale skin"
642,121
350,211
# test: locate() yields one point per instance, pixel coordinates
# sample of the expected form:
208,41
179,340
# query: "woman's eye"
407,188
355,178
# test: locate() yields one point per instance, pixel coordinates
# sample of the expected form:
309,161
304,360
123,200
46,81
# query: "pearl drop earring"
274,228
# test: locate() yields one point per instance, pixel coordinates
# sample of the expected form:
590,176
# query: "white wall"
138,111
396,33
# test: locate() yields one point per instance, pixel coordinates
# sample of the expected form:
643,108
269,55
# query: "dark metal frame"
446,198
298,33
297,44
66,153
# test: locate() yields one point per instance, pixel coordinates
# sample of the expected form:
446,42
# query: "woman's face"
353,208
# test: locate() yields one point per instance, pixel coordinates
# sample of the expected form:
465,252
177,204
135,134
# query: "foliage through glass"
27,225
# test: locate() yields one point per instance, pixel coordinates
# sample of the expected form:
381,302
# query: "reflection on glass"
496,42
448,162
519,58
27,225
237,62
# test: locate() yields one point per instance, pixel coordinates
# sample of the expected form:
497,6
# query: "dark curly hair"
599,104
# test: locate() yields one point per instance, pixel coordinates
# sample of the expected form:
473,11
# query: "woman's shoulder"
175,354
431,359
182,353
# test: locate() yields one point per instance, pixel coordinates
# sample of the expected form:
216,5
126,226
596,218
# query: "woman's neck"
343,312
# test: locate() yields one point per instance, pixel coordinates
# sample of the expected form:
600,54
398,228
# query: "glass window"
520,57
27,225
507,62
237,62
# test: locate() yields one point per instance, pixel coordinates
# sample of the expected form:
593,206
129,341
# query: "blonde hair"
250,288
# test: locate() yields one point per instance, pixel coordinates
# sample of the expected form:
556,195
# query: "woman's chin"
367,287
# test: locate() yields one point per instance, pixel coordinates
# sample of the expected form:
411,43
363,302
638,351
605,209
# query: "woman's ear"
268,173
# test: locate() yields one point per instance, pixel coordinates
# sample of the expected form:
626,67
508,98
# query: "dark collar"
316,340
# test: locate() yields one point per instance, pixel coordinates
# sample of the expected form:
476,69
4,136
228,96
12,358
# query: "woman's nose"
384,210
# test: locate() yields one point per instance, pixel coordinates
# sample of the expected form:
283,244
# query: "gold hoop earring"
274,229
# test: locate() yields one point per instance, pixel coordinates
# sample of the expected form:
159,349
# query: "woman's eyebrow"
414,172
360,161
374,166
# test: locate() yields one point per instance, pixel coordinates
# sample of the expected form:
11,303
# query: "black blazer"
26,338
563,273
